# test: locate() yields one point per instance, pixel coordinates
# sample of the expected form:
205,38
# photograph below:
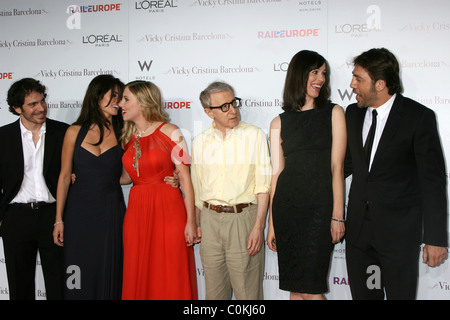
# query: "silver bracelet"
59,222
337,219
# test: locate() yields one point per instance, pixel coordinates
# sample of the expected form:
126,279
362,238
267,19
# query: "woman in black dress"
93,205
308,143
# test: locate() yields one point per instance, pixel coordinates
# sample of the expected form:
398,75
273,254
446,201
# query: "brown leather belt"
221,209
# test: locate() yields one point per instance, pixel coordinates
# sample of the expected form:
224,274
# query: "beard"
366,100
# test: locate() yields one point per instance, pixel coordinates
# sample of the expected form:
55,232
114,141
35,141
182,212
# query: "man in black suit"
29,170
398,197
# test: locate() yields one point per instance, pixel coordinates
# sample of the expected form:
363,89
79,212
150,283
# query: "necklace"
137,154
139,133
137,147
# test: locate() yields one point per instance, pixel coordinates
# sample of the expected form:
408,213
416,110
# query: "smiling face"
364,88
316,79
223,120
33,112
109,103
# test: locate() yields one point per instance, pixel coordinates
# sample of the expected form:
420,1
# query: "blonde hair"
149,97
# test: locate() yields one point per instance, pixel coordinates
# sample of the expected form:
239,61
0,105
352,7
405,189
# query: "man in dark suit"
29,170
398,197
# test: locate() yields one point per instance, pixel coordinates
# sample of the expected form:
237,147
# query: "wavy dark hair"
302,63
20,89
381,64
90,111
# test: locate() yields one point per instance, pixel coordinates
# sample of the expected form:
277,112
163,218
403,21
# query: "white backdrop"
183,45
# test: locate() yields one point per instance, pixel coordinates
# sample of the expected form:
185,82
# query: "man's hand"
433,255
173,180
255,241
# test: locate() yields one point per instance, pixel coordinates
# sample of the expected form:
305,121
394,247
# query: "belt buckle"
34,205
228,209
218,208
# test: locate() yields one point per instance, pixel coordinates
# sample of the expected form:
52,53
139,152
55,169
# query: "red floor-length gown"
157,262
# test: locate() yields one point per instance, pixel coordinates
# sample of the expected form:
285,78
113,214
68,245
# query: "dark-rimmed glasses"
236,103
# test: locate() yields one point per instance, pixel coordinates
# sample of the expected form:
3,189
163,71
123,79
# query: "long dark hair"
381,64
90,110
302,63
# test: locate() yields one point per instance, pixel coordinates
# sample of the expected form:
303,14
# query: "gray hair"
205,95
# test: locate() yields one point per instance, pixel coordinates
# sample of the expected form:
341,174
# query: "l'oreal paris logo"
151,5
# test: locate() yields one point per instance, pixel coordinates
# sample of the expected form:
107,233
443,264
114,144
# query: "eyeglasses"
236,103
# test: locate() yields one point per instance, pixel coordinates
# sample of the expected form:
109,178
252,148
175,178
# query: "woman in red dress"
159,228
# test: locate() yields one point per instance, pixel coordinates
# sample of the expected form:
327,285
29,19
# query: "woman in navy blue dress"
93,207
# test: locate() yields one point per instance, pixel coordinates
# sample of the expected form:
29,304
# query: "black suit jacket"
12,163
405,191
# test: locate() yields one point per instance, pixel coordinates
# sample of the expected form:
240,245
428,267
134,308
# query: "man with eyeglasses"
231,173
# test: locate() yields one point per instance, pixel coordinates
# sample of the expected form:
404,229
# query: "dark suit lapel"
17,149
391,127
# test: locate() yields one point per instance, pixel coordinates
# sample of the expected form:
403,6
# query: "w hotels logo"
145,65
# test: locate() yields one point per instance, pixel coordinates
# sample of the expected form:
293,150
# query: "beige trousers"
228,267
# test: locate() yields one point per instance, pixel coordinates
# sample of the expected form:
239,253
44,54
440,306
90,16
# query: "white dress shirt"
383,114
33,186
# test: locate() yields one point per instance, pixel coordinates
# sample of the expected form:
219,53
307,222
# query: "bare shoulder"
275,123
338,112
338,109
172,131
72,132
73,129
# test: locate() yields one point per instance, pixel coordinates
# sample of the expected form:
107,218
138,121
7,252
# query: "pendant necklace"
137,147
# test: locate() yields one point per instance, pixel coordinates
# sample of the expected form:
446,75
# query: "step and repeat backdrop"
183,45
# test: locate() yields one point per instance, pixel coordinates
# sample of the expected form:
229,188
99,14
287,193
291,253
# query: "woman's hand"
271,241
58,234
190,234
337,230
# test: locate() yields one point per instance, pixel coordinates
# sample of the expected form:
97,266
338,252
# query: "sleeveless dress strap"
81,135
160,126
